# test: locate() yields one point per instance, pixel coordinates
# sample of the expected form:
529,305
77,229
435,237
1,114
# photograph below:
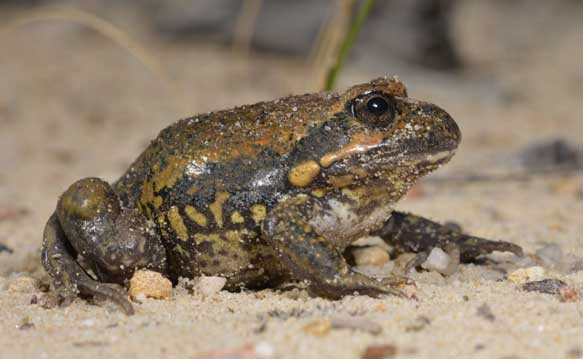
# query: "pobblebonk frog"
261,194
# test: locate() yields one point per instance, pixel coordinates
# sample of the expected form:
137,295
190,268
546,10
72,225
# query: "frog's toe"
416,261
111,291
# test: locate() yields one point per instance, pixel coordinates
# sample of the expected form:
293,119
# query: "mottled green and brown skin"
262,193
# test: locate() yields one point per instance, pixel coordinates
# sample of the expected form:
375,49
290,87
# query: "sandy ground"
74,105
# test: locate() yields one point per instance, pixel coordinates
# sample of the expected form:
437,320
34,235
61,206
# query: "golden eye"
377,109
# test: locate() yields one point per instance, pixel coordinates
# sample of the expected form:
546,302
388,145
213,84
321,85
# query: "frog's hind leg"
410,233
90,223
58,259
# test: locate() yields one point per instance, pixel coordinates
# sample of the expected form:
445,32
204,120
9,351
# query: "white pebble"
437,260
208,286
523,275
264,350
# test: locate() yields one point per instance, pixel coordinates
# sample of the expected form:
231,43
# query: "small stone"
420,323
437,261
547,286
22,285
318,327
150,284
551,255
4,248
385,351
569,294
575,353
485,312
523,275
370,256
208,286
362,324
26,324
264,350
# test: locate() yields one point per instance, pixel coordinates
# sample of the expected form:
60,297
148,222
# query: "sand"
74,105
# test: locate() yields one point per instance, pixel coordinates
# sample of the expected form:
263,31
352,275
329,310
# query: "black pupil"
377,105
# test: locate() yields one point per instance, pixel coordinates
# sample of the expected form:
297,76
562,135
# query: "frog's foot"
410,233
68,277
312,258
113,242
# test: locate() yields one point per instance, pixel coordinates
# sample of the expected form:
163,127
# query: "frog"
261,195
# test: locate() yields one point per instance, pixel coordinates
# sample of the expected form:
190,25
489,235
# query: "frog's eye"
376,108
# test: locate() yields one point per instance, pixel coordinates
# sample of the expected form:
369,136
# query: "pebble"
485,312
524,275
438,261
547,286
384,351
264,350
318,327
362,324
150,284
370,256
569,294
22,285
551,255
208,286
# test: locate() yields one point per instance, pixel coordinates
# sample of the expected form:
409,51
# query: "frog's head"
381,133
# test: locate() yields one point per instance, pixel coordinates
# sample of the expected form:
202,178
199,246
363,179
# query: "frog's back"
233,149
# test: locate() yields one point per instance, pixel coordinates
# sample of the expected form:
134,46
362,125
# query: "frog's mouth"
388,156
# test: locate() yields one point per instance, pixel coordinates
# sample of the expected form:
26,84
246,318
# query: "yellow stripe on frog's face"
360,143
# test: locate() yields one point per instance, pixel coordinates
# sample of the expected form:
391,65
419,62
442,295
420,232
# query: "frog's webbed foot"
312,258
113,242
410,233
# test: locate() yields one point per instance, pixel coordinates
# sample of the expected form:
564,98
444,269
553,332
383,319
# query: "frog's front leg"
311,257
410,233
113,242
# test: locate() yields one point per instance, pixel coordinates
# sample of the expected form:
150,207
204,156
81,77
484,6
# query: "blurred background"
86,84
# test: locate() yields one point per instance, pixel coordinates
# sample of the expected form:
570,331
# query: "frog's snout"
452,128
444,127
